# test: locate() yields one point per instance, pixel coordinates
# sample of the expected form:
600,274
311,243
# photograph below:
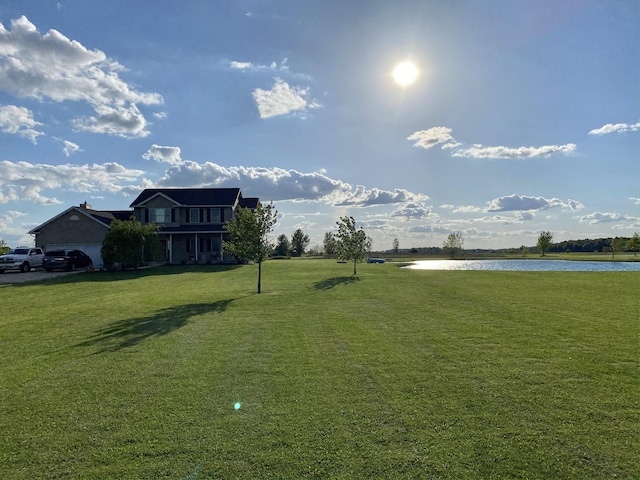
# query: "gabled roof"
104,217
192,196
249,202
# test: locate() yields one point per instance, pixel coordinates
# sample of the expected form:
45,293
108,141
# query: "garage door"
93,250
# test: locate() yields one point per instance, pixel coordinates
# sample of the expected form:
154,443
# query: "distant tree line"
588,245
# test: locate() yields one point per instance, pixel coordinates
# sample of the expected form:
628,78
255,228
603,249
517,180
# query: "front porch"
194,248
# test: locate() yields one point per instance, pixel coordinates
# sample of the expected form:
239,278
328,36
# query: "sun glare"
405,73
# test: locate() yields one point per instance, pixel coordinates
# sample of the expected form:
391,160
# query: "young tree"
283,246
329,243
4,248
453,243
248,231
299,242
633,245
396,245
617,245
351,244
130,243
544,241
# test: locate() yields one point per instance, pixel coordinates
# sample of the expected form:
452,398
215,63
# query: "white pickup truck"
21,258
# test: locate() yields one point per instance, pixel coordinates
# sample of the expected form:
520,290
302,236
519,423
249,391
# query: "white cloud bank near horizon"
273,183
515,202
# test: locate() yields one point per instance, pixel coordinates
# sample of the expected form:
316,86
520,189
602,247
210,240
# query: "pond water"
526,265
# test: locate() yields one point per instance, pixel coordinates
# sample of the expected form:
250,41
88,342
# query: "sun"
405,73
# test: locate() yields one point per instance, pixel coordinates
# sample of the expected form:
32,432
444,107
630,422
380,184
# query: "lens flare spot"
236,406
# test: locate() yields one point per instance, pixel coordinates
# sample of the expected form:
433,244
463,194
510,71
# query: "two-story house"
190,220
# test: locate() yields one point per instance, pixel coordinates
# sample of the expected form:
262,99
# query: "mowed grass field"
187,373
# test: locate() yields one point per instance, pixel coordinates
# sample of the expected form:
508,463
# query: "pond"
526,265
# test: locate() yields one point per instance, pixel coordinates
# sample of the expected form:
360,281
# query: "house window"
215,215
191,245
160,215
194,215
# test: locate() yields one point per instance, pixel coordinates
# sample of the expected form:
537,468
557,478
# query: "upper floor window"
215,215
194,215
160,215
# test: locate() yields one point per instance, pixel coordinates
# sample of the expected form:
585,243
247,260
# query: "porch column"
170,246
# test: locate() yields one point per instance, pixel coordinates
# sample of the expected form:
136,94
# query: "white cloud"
524,203
466,209
479,151
598,217
617,127
161,153
240,65
574,205
8,228
412,210
125,122
51,66
282,99
279,184
18,121
363,197
429,229
635,200
442,136
27,181
274,67
431,137
70,147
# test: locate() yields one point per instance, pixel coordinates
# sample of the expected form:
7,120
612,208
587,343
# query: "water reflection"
526,265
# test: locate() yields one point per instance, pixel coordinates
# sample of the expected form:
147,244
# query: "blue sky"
524,116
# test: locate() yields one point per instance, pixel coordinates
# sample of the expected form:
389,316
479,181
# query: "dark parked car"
66,259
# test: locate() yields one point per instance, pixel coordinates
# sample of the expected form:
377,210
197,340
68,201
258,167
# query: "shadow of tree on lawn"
330,283
132,331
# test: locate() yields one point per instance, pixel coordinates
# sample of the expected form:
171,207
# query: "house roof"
249,202
105,217
192,196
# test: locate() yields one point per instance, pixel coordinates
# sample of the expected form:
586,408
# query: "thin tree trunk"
354,267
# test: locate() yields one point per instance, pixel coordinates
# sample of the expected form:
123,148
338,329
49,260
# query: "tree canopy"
351,244
633,245
544,241
130,243
4,248
299,242
248,235
329,243
283,246
453,243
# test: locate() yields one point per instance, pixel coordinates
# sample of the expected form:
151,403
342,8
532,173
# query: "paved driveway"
15,276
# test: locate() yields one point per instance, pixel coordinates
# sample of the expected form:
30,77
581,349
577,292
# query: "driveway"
15,276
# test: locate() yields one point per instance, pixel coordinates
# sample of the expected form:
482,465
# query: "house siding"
72,228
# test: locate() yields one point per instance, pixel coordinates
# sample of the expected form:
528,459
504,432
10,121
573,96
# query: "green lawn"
389,374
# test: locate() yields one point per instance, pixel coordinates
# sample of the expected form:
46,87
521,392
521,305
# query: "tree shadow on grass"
129,332
329,283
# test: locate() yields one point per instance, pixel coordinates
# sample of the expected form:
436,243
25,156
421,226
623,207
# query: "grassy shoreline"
388,374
